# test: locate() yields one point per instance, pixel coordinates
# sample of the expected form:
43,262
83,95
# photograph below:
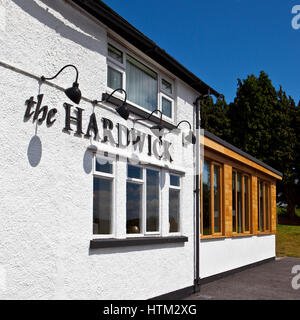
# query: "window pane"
174,180
261,202
134,207
104,165
217,198
141,84
134,172
166,107
233,202
246,202
174,206
166,86
206,198
115,53
152,217
102,207
239,204
114,78
267,207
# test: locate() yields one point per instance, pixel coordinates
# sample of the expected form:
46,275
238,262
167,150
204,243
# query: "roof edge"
115,22
240,152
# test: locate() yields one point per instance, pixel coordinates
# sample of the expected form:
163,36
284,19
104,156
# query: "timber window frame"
211,205
264,206
241,220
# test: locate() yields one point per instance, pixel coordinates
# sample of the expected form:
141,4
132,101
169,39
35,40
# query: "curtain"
141,84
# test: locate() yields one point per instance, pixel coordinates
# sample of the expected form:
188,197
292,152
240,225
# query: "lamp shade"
191,138
73,93
123,111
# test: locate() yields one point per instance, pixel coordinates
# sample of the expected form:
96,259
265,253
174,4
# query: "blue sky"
223,40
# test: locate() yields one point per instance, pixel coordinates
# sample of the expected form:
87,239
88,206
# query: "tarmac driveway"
271,281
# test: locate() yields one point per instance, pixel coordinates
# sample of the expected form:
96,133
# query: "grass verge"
288,241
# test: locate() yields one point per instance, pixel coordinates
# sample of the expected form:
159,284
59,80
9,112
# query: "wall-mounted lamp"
73,93
191,138
122,110
157,129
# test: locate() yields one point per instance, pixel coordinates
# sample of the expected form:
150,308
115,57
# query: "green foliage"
214,118
288,241
264,123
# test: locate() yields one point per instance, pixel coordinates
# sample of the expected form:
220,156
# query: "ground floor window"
103,196
211,199
142,200
174,203
263,206
241,201
143,189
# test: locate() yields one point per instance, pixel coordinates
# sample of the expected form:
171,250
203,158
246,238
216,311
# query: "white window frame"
111,177
143,182
180,203
165,117
121,67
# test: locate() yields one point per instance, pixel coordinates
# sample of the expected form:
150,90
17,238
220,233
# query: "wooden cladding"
217,148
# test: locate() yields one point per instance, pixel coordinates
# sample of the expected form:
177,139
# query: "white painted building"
75,226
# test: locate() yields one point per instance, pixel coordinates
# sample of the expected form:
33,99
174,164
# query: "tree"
251,116
214,117
284,147
264,123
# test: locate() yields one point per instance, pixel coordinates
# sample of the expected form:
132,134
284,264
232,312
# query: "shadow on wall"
88,161
34,151
48,19
107,251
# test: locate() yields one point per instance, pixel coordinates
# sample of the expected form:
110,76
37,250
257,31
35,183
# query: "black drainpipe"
197,279
197,193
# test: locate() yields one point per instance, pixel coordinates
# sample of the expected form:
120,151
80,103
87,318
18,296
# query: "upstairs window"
141,84
146,87
115,53
114,78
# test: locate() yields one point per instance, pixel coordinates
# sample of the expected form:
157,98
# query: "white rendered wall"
224,254
46,205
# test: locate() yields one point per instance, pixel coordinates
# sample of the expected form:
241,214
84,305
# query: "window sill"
265,233
141,113
242,235
128,242
212,237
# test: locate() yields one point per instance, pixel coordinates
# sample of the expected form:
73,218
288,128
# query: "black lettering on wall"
92,126
69,118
